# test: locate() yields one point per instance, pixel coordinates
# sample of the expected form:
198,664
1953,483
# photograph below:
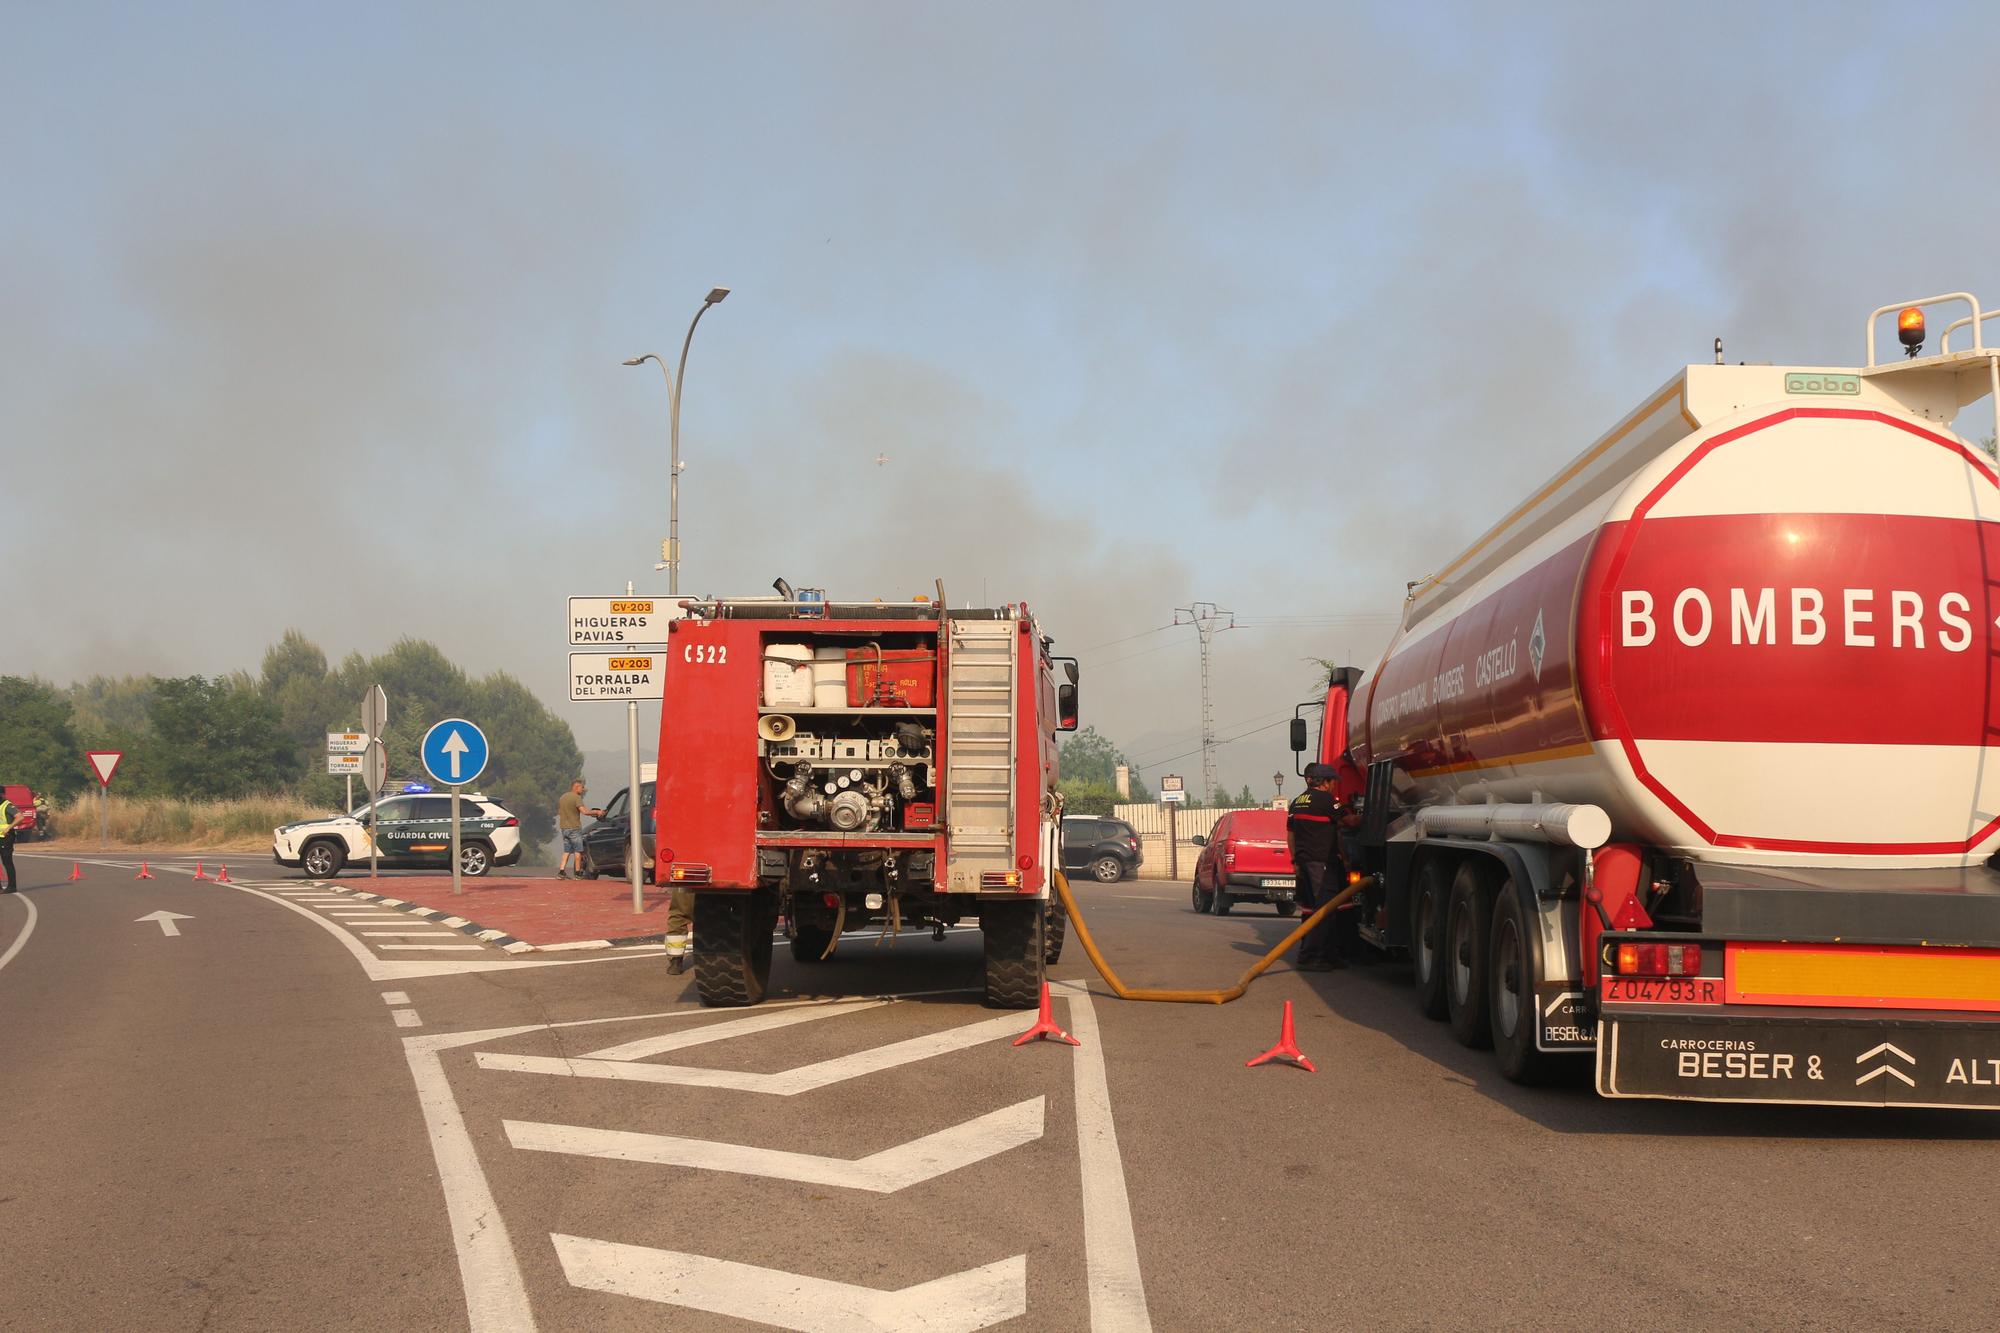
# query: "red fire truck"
839,764
1691,760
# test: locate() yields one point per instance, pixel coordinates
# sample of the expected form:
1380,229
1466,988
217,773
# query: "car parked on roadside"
606,841
1104,848
37,823
1243,859
410,831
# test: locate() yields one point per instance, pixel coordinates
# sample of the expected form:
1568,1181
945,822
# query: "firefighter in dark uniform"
1312,828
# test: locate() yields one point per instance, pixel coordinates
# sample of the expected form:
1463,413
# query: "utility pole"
1207,618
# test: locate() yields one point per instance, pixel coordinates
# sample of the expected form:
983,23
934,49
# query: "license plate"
1663,990
1281,883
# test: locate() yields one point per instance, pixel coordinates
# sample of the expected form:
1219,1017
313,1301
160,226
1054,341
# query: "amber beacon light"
1910,328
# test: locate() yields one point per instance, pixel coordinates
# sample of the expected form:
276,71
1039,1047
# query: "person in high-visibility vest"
11,817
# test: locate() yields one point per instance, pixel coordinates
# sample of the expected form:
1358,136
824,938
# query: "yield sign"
105,762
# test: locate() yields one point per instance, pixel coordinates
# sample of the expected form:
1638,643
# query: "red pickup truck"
1243,859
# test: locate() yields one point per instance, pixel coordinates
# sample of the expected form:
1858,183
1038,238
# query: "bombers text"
1800,617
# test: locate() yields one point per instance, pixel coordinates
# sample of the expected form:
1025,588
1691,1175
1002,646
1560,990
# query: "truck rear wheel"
1055,928
1014,953
1468,956
1222,902
732,947
1427,912
1511,994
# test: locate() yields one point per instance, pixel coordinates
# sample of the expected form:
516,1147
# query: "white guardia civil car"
410,831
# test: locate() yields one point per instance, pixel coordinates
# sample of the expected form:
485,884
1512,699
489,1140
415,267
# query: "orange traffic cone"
1045,1025
143,872
223,876
1287,1048
75,871
197,871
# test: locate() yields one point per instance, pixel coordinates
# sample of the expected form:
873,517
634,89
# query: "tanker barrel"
1585,826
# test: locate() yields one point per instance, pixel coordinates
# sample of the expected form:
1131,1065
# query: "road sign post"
1173,794
374,760
454,753
104,763
632,628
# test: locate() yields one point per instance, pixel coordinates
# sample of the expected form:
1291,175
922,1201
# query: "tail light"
1229,857
510,822
1132,841
686,872
1659,960
1000,879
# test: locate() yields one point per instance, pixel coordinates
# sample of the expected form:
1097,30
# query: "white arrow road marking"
961,1303
764,1022
894,1168
789,1083
455,747
21,940
166,920
1890,1070
1885,1046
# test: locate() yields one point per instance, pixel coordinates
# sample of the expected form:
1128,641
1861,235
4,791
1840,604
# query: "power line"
1110,643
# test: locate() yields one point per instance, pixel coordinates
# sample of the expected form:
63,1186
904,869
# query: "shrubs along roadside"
239,824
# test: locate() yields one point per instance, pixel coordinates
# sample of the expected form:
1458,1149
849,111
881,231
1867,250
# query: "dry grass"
158,821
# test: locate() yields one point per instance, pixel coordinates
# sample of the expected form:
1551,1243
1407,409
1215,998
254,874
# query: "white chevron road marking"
885,1172
961,1303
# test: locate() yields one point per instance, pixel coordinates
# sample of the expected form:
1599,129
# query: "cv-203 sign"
608,622
617,677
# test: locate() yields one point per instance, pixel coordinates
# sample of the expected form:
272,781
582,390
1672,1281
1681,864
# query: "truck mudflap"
1851,1059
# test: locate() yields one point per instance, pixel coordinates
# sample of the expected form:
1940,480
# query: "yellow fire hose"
1124,992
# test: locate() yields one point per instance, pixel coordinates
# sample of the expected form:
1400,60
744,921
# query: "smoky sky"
313,318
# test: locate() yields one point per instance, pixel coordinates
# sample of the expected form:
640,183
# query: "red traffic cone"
197,871
1045,1025
143,872
1287,1048
223,876
75,871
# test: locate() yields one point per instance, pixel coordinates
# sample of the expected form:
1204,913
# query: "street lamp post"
674,382
635,809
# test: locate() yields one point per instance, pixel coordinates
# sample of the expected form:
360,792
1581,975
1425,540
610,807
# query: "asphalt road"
292,1115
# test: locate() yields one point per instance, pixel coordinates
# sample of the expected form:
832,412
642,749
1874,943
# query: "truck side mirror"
1066,709
1298,735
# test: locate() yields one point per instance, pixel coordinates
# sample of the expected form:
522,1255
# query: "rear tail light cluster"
685,872
1659,960
510,822
1000,879
1229,856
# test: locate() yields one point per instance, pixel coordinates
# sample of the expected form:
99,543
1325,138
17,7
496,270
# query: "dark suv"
1107,849
606,841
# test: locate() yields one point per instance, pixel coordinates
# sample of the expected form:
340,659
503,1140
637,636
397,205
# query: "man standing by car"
570,811
1311,825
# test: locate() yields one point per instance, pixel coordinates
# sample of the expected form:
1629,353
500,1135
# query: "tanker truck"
1688,764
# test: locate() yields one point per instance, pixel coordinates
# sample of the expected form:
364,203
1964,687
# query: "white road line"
405,934
961,1303
894,1168
432,947
736,1027
495,1297
26,930
406,1018
790,1083
395,997
1110,1249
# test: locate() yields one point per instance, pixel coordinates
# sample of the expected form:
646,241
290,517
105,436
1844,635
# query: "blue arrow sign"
455,752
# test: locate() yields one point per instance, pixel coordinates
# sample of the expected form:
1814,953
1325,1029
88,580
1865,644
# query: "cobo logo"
1843,386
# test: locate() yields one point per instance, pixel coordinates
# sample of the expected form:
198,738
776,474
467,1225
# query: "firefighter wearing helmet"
1312,837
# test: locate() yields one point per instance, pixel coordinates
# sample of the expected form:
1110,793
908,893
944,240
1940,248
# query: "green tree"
112,712
213,738
38,746
1087,761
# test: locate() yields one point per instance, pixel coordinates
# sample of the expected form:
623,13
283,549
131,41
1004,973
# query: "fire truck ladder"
980,757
